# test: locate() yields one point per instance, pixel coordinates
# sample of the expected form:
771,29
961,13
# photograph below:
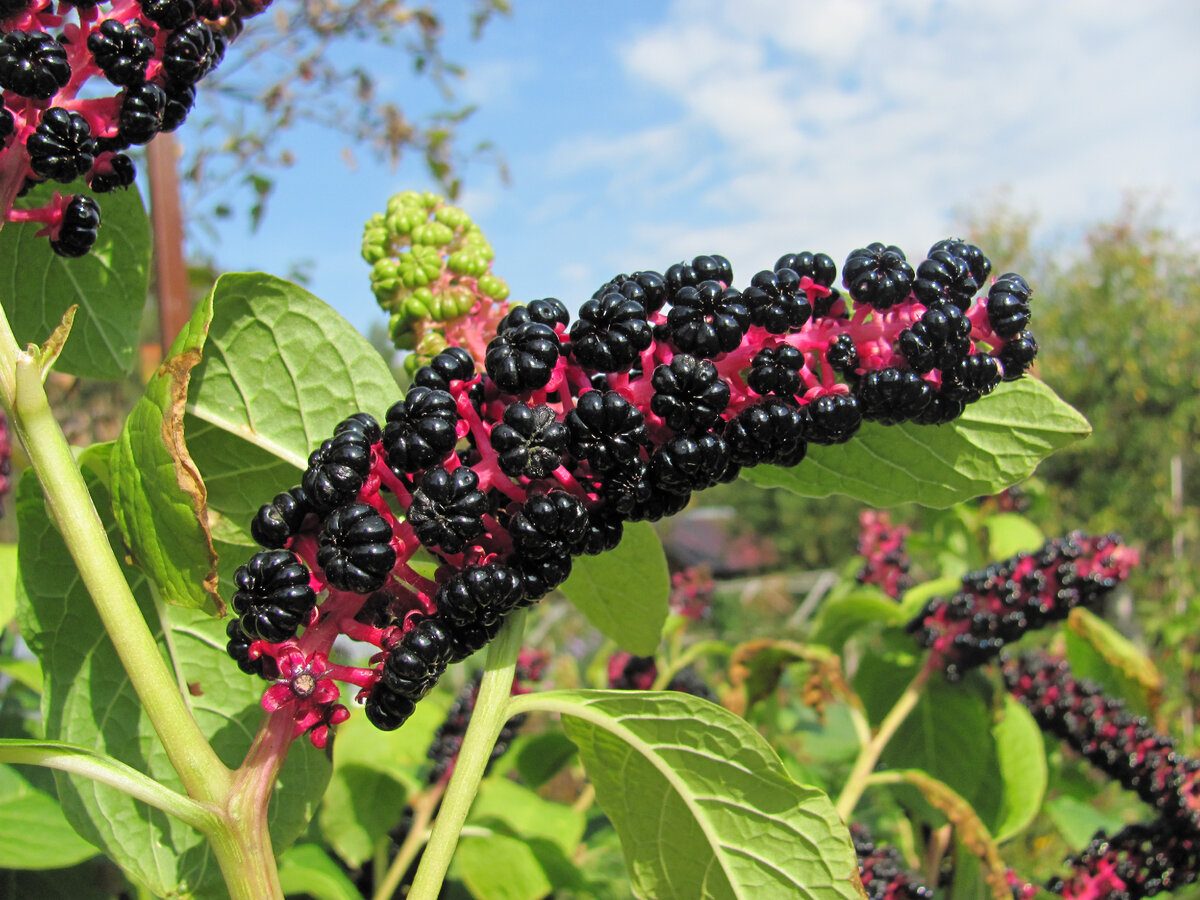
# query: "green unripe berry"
452,216
420,266
466,262
433,234
491,286
400,333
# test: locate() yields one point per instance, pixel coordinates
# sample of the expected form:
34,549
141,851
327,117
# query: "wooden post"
174,295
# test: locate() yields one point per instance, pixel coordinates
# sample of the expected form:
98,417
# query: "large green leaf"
1021,757
842,617
108,285
625,592
88,701
306,870
159,500
703,805
993,444
33,832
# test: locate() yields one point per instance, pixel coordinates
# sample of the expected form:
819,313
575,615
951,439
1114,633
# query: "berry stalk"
491,711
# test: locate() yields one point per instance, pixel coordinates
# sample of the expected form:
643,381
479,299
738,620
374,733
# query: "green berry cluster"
430,264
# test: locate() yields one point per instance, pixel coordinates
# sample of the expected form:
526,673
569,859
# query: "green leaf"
1078,821
840,619
542,756
92,880
89,702
703,805
499,867
993,444
527,814
159,499
8,583
1099,652
1010,534
1021,758
306,869
109,284
33,832
625,592
281,368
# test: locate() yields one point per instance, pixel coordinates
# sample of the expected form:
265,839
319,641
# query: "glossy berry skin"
646,288
606,430
61,147
540,576
121,52
546,311
549,524
191,53
386,709
420,430
878,276
820,267
776,301
610,333
522,358
273,595
832,419
447,509
530,441
776,370
414,665
452,364
689,394
478,594
142,113
893,395
946,278
980,265
1008,305
361,424
277,521
769,432
79,227
238,648
168,14
336,471
180,100
33,64
355,549
972,378
1018,355
604,532
842,354
707,320
690,462
114,171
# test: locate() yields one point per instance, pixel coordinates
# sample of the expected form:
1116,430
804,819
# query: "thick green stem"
204,776
491,711
869,755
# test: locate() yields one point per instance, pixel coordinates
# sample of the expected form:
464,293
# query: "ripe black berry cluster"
665,384
1107,735
997,605
448,739
153,53
882,870
1140,860
886,560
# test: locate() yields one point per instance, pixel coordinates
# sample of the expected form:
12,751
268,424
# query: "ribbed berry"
604,532
647,288
893,395
878,276
478,594
273,596
141,114
522,358
606,430
609,333
447,509
362,424
689,394
180,100
707,320
690,462
354,548
62,147
386,709
277,521
625,489
337,470
972,378
947,333
168,14
770,432
945,278
471,638
530,441
842,354
776,370
540,576
77,232
415,664
1018,355
1008,305
121,51
191,53
33,64
549,524
944,406
832,419
238,647
452,364
820,267
980,265
776,302
420,430
546,311
110,172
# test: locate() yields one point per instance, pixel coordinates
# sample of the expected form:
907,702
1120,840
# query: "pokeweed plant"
159,584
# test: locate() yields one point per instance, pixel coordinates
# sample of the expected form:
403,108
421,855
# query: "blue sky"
639,133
